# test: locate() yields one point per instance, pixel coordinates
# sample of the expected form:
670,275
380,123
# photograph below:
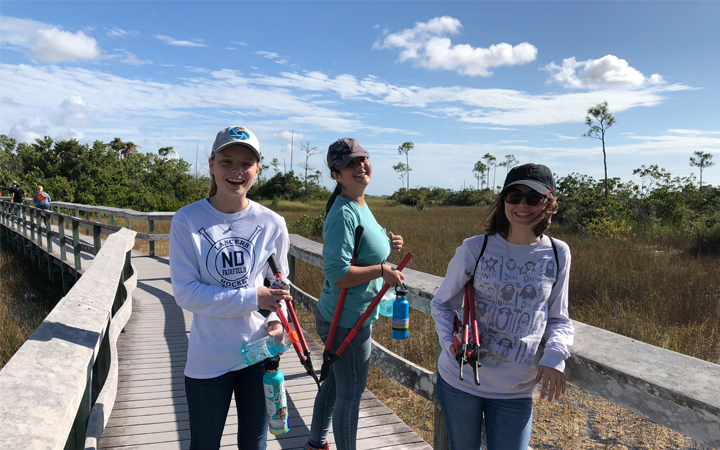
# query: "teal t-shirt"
339,235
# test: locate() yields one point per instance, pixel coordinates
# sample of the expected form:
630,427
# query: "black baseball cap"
535,176
342,151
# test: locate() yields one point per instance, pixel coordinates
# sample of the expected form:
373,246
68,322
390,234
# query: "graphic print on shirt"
510,297
230,260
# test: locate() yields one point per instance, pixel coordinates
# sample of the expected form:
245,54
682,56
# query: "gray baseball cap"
342,151
236,136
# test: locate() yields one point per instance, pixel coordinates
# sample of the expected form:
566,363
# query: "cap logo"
529,169
239,133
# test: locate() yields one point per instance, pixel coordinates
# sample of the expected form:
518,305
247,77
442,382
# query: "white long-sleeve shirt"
517,307
217,262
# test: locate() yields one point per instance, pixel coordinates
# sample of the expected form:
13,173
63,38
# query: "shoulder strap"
557,260
482,251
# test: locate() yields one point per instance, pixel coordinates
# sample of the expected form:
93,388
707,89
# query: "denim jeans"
209,403
343,388
508,422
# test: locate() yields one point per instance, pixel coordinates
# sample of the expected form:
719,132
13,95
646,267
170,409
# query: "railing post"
291,268
32,226
48,232
39,230
87,217
127,223
97,238
61,237
76,244
111,219
441,441
24,220
151,230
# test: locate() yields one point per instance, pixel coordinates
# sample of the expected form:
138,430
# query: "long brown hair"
496,221
337,191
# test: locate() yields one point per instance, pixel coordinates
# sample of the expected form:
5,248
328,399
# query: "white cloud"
70,134
427,46
8,101
274,56
242,44
72,111
47,43
54,46
693,132
133,60
29,129
606,72
290,135
117,32
503,107
170,41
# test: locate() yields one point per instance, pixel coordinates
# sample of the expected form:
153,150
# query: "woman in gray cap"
219,247
339,398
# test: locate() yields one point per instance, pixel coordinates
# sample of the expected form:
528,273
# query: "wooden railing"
671,389
58,389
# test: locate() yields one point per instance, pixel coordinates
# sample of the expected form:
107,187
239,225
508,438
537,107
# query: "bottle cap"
272,364
401,291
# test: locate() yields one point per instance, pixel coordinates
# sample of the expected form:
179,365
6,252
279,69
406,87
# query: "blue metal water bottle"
401,314
275,399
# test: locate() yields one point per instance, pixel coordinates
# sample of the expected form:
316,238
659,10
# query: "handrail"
46,396
674,390
111,212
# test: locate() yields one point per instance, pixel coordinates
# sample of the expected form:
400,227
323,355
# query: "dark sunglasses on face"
531,198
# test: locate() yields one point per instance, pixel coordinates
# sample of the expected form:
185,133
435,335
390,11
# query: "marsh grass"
26,298
649,289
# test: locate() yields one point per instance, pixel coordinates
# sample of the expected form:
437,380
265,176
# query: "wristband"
382,270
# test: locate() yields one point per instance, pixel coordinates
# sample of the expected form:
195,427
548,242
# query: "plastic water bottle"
386,304
265,347
275,399
401,314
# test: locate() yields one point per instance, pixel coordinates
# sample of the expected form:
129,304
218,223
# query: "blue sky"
459,79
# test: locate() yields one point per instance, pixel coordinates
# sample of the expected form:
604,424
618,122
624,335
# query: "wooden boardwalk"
150,411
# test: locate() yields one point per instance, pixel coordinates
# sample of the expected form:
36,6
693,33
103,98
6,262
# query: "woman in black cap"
339,398
514,232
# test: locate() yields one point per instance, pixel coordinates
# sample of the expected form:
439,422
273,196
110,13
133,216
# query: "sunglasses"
531,198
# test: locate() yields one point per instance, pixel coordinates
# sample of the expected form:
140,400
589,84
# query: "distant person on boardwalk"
219,247
516,329
17,194
41,199
339,398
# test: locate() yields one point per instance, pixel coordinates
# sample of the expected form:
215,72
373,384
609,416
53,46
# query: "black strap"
557,261
482,251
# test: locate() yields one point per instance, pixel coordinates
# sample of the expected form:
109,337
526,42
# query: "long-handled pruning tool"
296,337
328,356
470,349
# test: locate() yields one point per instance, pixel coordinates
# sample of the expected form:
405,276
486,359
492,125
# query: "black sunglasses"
532,198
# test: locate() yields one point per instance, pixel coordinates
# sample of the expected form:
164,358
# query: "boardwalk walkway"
151,410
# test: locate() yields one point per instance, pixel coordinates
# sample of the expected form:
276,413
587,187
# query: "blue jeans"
343,388
209,403
508,422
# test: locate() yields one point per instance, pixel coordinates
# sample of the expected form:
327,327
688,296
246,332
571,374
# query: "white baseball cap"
234,136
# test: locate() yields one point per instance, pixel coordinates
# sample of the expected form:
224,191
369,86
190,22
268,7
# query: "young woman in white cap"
219,247
339,398
527,307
